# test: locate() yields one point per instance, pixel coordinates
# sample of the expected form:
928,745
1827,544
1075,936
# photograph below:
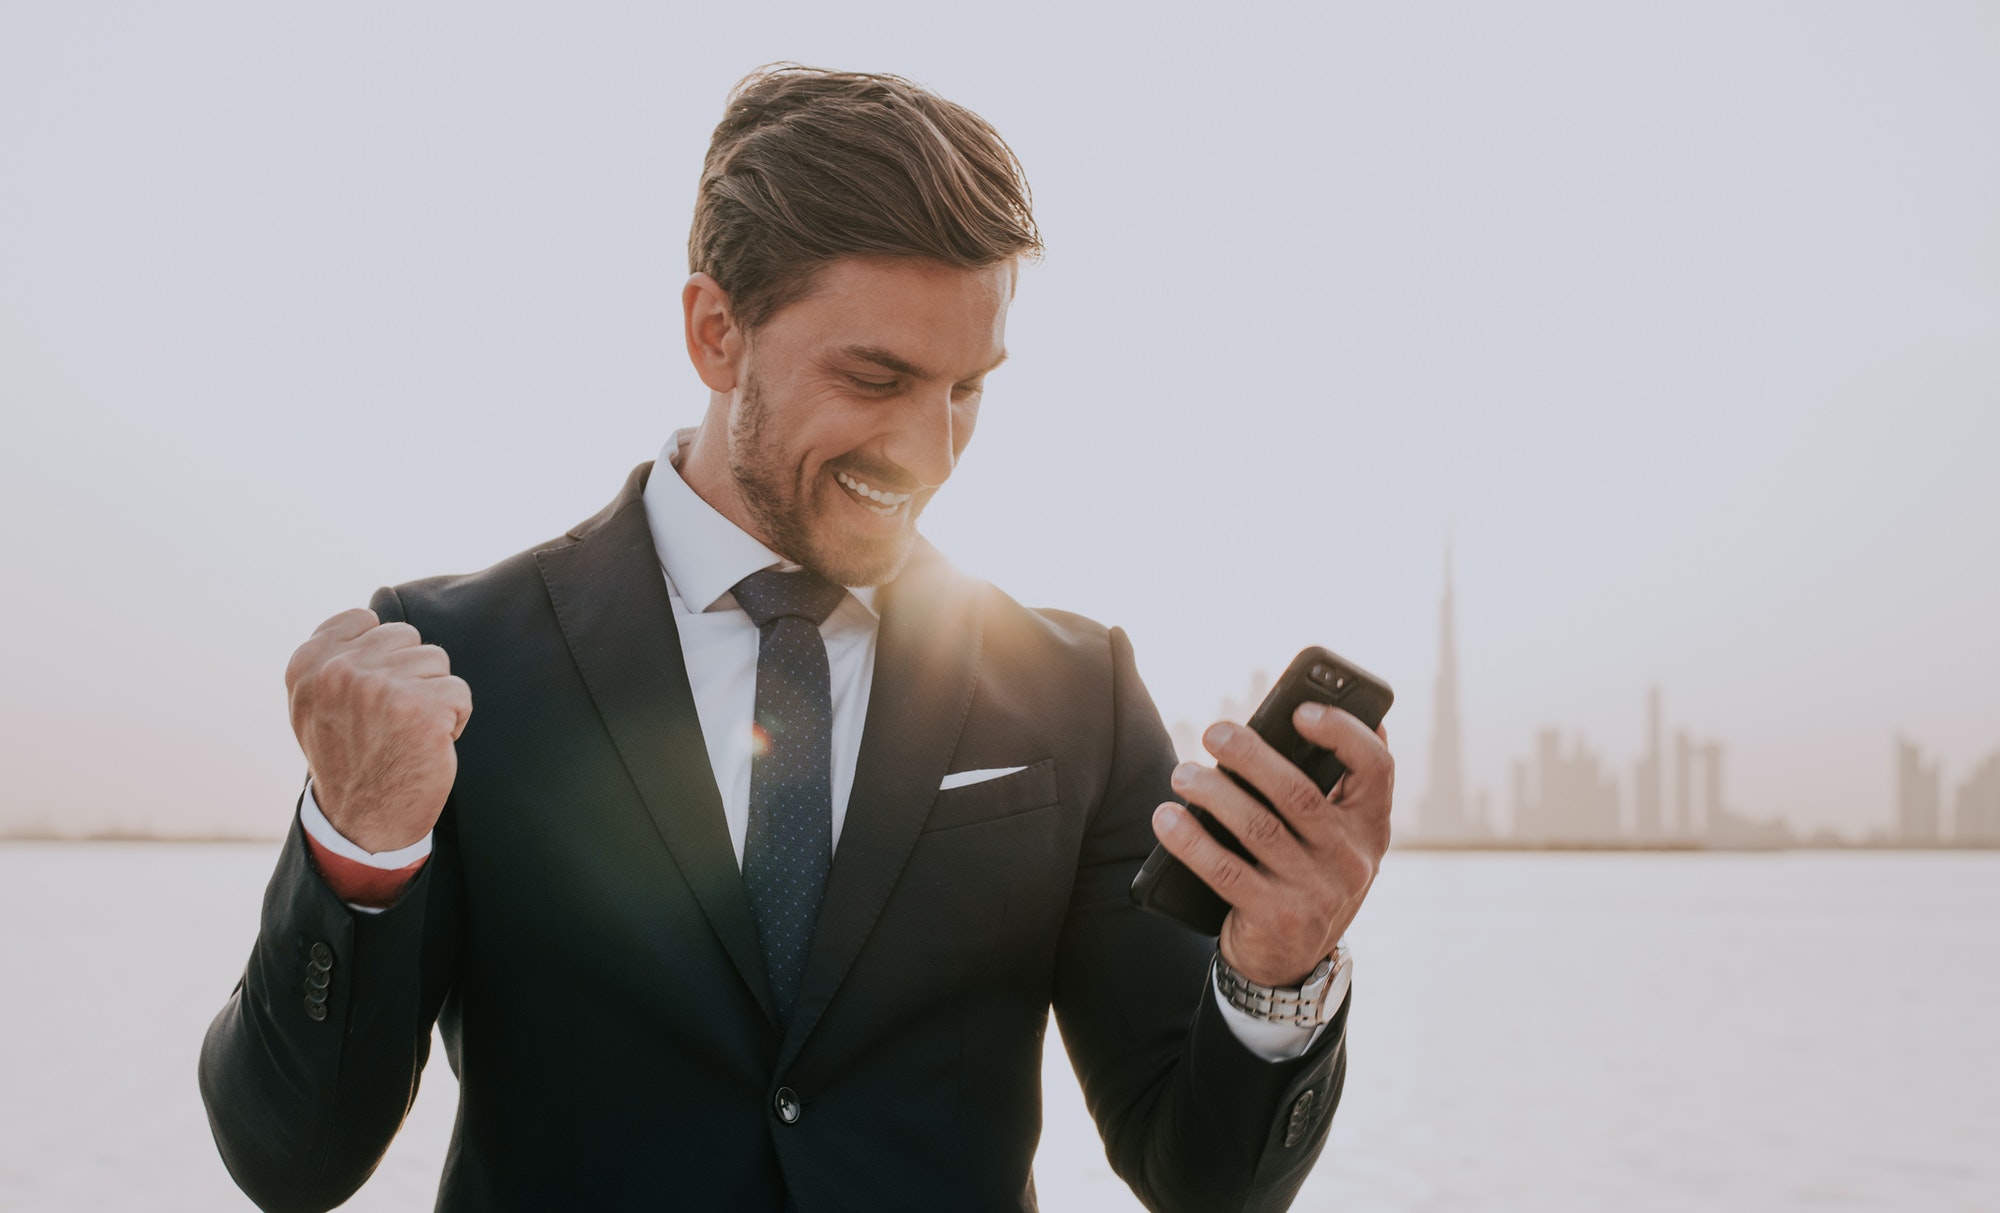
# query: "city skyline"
1564,792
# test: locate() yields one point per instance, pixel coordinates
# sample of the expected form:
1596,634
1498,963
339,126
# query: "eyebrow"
888,361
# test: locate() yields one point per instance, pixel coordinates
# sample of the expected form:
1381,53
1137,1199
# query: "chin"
860,560
824,533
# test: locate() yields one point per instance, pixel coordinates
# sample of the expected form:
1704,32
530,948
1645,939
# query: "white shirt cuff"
1270,1041
324,834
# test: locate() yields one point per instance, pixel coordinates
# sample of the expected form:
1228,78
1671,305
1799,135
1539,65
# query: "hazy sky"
1685,319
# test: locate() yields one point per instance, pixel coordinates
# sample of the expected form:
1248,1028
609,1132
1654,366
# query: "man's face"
854,404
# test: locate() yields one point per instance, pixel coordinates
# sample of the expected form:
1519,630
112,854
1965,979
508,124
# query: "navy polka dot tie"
788,847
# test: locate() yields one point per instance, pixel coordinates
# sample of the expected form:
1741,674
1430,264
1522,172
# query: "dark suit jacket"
583,937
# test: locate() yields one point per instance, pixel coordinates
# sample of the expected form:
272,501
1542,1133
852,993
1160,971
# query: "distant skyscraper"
1977,823
1711,764
1442,813
1683,785
1647,773
1916,795
1723,828
1567,797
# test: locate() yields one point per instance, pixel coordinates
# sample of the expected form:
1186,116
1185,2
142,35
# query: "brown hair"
807,166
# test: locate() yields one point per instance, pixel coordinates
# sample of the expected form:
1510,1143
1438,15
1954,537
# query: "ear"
714,340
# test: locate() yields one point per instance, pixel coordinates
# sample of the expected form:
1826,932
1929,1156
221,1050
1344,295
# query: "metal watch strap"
1308,1005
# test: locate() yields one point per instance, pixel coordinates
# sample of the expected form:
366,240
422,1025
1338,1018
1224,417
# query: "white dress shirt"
702,555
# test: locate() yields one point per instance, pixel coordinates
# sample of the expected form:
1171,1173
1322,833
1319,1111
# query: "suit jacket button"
787,1104
315,1011
316,979
322,956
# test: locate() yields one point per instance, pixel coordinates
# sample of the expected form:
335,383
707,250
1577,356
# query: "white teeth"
889,501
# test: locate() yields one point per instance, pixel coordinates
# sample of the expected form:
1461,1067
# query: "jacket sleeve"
1191,1119
314,1059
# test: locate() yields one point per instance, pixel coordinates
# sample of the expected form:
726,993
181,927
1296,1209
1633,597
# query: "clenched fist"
377,711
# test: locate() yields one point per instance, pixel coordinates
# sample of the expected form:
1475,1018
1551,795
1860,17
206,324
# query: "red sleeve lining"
357,883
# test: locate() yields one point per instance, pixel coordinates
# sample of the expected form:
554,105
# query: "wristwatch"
1307,1005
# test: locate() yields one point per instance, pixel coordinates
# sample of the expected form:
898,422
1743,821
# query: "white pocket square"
958,779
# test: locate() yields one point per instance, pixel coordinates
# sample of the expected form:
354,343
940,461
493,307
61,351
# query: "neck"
704,464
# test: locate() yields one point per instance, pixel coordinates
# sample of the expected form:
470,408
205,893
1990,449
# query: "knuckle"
337,673
300,664
398,633
349,620
447,697
1353,867
1301,798
1262,827
422,660
1227,871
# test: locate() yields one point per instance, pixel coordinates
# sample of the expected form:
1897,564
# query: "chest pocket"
1025,791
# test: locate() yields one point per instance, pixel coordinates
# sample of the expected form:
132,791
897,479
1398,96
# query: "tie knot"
773,595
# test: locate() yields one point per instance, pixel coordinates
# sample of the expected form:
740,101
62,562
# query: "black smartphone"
1164,885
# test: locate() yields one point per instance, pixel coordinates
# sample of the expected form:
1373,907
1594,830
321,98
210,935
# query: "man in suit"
773,841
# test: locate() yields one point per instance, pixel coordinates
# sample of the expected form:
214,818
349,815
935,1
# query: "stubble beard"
782,503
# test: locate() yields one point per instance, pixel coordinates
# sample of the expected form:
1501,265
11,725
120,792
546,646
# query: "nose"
922,445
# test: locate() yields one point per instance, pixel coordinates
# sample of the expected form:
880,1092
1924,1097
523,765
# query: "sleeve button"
1300,1119
315,1011
322,956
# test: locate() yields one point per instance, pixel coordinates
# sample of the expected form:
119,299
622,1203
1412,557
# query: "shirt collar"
703,553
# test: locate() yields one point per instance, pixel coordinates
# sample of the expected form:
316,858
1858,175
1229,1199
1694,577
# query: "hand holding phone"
1165,884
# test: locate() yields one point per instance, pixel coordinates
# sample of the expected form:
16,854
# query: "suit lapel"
926,662
611,602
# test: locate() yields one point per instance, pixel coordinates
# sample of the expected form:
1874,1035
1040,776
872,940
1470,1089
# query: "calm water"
1530,1033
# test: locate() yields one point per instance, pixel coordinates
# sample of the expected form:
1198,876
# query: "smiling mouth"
874,500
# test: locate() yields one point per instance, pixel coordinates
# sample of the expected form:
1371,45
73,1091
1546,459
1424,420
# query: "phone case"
1164,885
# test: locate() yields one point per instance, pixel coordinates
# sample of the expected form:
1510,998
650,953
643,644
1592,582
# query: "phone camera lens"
1321,674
